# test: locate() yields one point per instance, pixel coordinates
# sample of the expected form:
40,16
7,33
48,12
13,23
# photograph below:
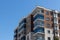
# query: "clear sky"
12,11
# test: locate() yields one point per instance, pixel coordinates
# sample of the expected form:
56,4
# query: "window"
59,15
27,37
58,21
23,38
49,38
38,16
56,32
39,22
39,29
48,25
52,19
51,13
19,35
55,27
49,31
42,10
59,26
47,18
55,20
39,38
47,13
55,15
23,21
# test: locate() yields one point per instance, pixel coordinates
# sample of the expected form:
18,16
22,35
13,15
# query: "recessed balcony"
37,26
39,31
39,36
38,23
38,16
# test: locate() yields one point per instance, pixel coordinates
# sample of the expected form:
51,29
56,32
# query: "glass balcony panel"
23,21
39,38
38,16
22,27
39,29
41,23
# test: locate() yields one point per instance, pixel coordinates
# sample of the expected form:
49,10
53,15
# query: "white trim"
44,8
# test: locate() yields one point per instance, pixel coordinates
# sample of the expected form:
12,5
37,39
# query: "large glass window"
38,16
23,21
49,38
23,38
39,22
39,38
23,26
39,29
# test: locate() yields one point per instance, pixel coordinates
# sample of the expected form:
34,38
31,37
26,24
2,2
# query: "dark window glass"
23,21
23,38
51,13
49,38
39,29
23,26
38,16
38,22
59,15
47,12
49,31
58,21
42,10
56,32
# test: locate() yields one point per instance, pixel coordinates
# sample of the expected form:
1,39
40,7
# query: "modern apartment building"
41,24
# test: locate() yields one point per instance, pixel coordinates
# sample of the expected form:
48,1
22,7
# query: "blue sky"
12,11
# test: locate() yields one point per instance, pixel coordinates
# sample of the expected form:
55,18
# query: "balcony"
38,23
15,36
41,12
22,37
21,30
38,16
39,31
37,26
55,15
39,36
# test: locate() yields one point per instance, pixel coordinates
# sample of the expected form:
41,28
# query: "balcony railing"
38,20
39,30
37,26
38,13
38,16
